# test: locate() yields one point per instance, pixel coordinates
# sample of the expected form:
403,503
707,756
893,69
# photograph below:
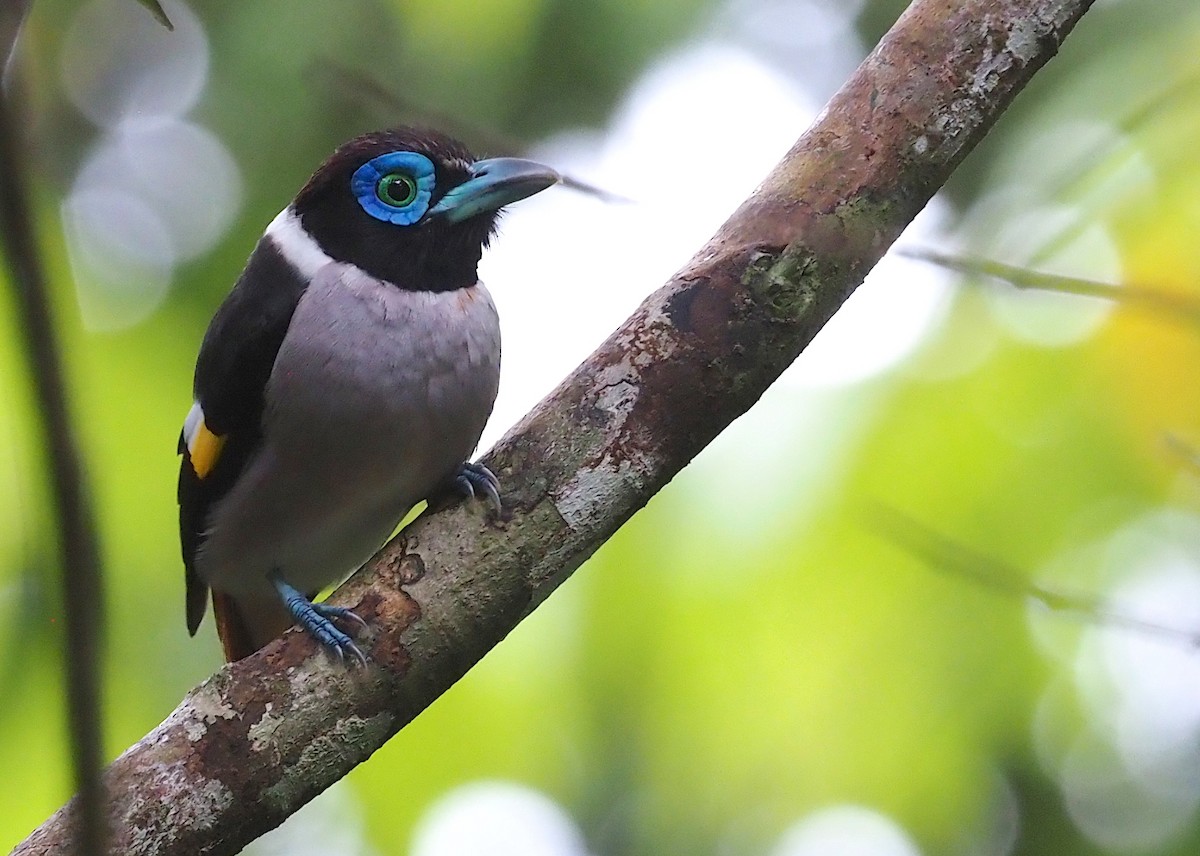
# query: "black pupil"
397,189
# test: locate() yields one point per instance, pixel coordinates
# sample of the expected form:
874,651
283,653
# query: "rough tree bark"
260,738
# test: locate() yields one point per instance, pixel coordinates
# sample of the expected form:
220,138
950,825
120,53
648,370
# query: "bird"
346,377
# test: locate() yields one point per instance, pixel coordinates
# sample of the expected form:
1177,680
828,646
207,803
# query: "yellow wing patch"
204,448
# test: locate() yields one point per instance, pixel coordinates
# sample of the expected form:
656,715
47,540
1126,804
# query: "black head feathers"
412,207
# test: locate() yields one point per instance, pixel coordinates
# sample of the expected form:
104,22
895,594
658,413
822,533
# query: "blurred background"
755,665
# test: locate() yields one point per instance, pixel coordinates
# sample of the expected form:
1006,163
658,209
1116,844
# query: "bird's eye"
395,188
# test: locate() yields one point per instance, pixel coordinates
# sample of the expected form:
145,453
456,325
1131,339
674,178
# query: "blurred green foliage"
733,659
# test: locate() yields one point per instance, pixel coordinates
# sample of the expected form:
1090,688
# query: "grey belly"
377,395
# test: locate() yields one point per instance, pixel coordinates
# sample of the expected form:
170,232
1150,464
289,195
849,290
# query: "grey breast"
376,396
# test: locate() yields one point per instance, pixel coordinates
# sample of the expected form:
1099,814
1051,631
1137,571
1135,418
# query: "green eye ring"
397,189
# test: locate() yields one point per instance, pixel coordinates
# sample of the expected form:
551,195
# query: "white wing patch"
203,446
191,426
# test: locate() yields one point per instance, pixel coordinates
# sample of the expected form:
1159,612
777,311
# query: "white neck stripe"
297,247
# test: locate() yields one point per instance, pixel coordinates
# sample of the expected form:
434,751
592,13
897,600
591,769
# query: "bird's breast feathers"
376,395
361,355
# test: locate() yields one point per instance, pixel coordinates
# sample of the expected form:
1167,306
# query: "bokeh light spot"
181,170
1128,769
149,195
121,256
496,819
846,830
331,824
118,62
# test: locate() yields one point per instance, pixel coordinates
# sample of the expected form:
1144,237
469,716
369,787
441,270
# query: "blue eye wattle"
395,188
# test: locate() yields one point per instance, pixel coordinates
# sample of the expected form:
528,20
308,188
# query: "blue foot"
315,619
474,479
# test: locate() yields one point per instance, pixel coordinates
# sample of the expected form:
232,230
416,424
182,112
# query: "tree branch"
78,548
262,737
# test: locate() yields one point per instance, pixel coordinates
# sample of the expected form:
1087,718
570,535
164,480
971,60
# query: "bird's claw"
473,479
328,610
317,621
330,637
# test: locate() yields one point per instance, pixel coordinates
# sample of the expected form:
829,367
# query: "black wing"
236,358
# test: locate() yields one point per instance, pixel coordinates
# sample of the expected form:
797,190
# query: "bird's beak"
494,183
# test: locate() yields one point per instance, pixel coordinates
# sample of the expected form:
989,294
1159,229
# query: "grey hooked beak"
494,183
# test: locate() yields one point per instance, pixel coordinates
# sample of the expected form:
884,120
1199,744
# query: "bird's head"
412,207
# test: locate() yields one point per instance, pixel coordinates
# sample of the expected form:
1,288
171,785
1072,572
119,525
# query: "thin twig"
78,548
1183,90
394,106
951,557
1170,303
1073,180
1185,450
